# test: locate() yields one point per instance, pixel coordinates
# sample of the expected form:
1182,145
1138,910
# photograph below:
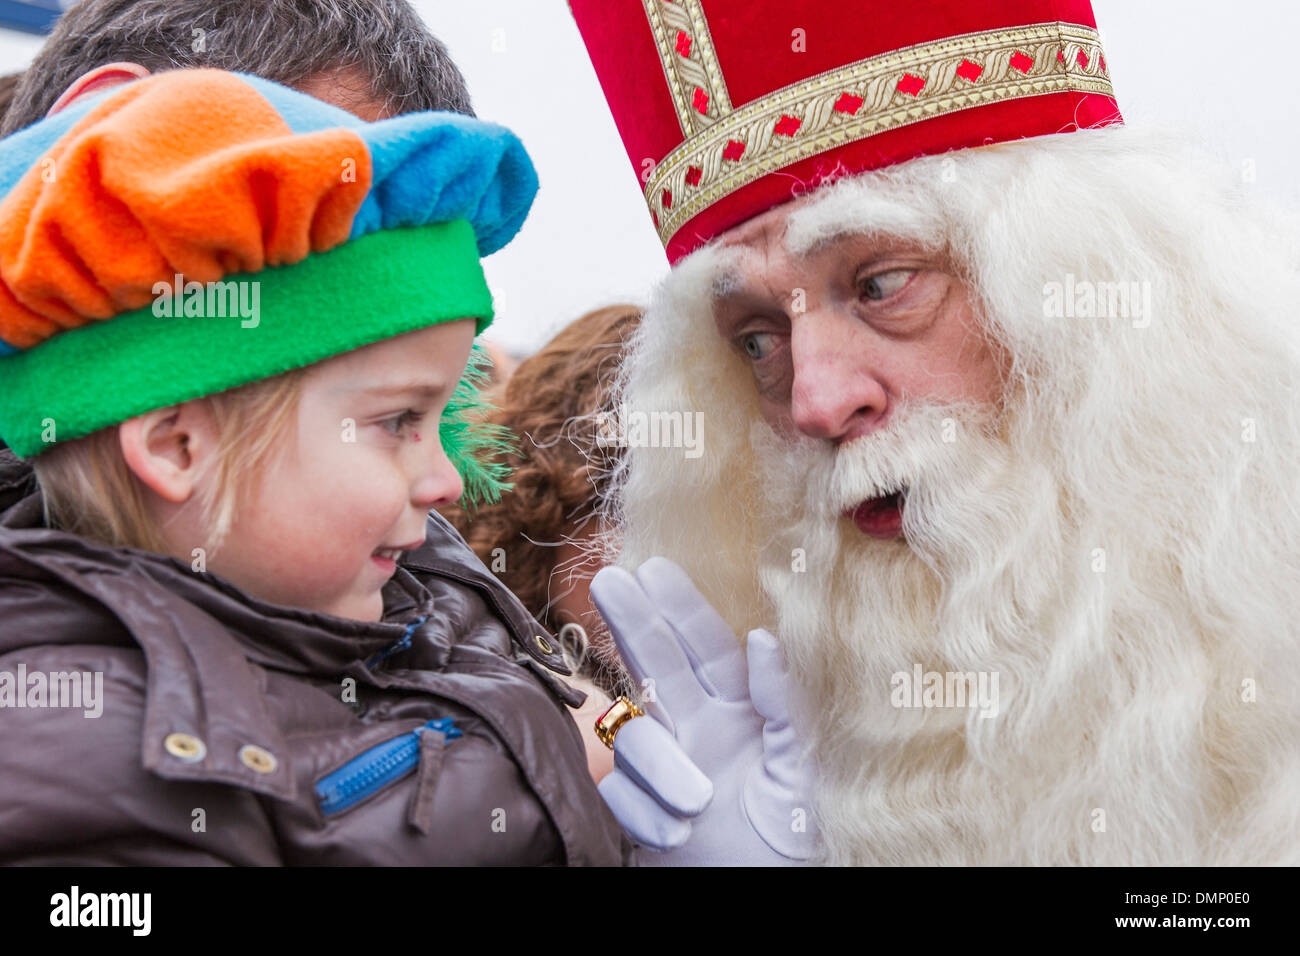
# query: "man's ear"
99,79
170,448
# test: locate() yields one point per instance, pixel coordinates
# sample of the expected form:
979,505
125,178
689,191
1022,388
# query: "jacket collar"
445,553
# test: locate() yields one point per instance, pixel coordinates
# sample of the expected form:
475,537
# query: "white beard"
990,582
1124,562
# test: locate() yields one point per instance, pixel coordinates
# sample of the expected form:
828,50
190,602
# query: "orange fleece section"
141,189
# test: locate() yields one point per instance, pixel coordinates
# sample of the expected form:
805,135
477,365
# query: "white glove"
713,774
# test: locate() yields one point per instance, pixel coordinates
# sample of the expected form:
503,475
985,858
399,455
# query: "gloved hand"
712,775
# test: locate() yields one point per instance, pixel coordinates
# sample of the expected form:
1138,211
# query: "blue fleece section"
428,167
435,167
24,149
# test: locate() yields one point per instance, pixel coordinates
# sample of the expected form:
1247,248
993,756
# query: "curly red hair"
550,403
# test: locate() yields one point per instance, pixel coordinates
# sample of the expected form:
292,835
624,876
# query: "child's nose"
437,483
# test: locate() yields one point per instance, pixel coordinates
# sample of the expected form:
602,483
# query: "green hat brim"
367,290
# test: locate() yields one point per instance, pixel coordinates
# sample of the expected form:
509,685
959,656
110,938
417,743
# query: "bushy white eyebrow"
854,208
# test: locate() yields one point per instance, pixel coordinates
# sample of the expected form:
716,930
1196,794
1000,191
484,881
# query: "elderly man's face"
837,337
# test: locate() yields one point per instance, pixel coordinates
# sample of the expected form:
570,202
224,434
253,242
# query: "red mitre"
730,107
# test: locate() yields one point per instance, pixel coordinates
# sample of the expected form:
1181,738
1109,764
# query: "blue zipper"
375,769
400,644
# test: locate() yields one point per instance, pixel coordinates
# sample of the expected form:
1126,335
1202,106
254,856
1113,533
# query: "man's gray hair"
383,42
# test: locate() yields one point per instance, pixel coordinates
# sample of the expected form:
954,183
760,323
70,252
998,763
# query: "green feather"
478,449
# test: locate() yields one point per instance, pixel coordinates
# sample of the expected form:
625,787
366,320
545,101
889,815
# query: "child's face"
363,472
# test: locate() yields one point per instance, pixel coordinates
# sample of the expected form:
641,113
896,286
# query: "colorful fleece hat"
198,230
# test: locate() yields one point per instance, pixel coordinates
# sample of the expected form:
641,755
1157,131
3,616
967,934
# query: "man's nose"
436,482
837,394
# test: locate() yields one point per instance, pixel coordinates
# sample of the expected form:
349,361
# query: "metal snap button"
544,644
185,747
255,758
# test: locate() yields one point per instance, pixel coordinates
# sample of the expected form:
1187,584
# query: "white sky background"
1226,71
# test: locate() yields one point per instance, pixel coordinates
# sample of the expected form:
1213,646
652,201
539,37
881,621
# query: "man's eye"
884,284
757,345
396,423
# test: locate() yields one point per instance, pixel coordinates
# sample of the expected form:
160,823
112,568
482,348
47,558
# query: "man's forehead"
758,267
832,215
767,226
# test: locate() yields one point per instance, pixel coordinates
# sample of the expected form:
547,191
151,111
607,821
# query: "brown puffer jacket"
233,731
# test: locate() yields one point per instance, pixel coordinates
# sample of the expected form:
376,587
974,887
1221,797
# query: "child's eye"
396,423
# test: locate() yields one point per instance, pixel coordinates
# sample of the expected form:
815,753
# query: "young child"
234,332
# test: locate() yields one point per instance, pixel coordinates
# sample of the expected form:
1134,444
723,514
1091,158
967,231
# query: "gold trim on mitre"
862,99
690,62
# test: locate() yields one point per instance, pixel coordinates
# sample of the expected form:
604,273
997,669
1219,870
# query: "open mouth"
880,517
387,558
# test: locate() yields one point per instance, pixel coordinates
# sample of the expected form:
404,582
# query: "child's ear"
169,449
96,80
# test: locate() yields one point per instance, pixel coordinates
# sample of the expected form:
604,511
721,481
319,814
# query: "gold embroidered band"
690,62
731,148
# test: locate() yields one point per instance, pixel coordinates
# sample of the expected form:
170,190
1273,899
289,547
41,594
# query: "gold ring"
618,714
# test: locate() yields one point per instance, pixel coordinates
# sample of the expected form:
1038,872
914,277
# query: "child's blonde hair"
89,490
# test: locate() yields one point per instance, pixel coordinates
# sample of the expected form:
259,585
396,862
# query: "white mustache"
920,444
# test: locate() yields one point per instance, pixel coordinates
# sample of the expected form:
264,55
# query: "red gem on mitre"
848,103
787,125
911,85
930,59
